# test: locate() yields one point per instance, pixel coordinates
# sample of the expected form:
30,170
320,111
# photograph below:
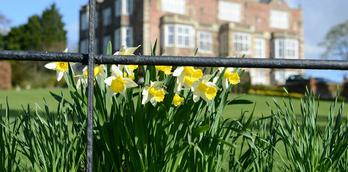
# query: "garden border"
91,58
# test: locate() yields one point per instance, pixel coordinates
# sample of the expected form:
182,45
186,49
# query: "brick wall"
5,76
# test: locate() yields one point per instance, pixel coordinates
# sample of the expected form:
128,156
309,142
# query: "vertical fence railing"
91,58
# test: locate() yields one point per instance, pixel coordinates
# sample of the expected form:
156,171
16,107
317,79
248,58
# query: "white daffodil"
153,94
60,67
118,83
186,76
230,76
124,51
205,90
82,79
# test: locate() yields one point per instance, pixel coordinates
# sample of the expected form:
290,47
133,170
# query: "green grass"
35,98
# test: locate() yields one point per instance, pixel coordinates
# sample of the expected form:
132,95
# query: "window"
123,36
229,11
107,16
205,41
259,76
123,7
260,48
84,46
84,21
181,36
279,19
106,40
127,34
173,6
241,42
286,48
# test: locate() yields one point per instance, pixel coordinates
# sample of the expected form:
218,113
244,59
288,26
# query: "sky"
318,16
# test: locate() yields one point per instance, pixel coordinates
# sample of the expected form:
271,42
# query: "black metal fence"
91,59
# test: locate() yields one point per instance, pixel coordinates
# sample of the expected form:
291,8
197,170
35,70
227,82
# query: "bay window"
205,41
241,42
286,48
177,35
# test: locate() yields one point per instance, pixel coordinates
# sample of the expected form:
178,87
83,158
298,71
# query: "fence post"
91,56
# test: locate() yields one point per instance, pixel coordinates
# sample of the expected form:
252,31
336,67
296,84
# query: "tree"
53,33
42,33
336,41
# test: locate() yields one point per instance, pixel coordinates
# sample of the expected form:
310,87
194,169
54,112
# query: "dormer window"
173,6
279,19
229,11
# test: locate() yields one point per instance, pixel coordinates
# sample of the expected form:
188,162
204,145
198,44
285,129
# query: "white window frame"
124,7
84,21
106,39
184,36
205,42
107,16
279,19
260,48
174,6
230,11
241,42
286,48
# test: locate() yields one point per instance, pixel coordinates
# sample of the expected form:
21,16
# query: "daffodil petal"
130,83
178,71
60,75
108,80
51,66
195,98
116,70
145,94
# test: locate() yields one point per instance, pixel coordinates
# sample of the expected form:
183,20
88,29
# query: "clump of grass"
308,145
9,130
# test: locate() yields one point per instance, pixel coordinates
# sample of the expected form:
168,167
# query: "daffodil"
98,70
177,100
154,94
118,83
187,76
165,69
230,77
124,51
205,90
60,67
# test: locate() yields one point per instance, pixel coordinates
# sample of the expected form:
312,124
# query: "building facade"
229,28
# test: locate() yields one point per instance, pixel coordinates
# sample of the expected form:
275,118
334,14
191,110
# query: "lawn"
35,98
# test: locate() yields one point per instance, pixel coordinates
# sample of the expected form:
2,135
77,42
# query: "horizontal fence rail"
179,60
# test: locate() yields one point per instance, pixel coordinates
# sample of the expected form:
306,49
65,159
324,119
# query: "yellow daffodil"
60,67
165,69
124,51
154,94
98,70
230,77
82,79
177,100
187,76
118,83
205,90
